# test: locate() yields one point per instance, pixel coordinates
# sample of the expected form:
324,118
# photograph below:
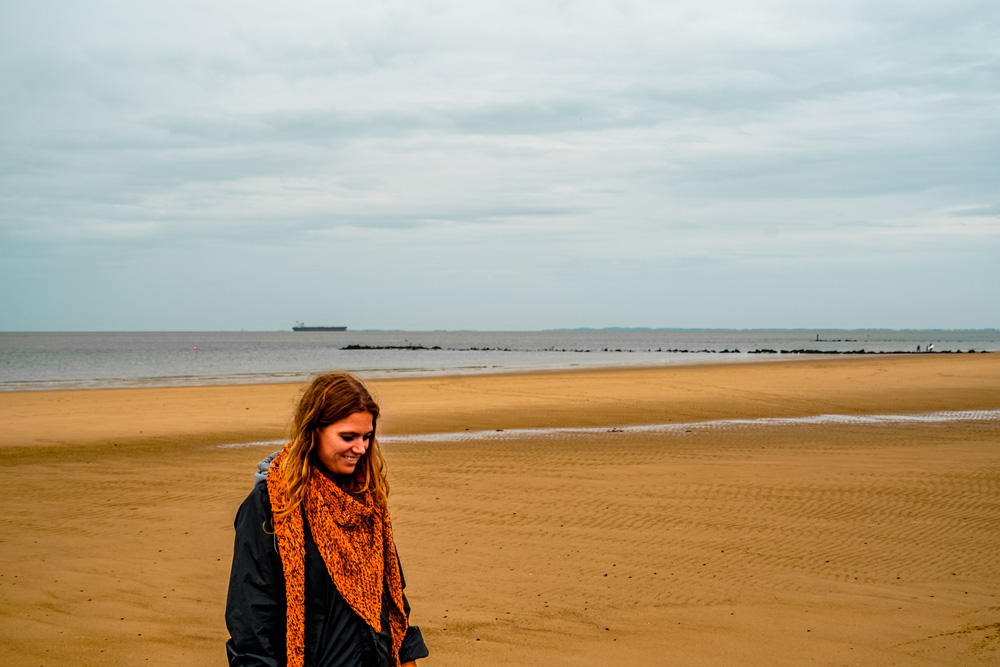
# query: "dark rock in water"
354,346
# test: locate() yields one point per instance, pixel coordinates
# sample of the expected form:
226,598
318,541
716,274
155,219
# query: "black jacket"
335,636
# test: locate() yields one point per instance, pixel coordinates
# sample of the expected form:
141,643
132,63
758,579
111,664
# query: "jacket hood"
260,477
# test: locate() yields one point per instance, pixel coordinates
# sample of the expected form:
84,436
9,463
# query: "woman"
316,579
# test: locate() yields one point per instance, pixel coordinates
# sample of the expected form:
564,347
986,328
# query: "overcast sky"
499,165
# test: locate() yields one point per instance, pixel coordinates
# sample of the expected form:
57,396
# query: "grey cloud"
977,211
331,127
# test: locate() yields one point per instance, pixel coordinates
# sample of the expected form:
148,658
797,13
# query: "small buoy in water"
196,347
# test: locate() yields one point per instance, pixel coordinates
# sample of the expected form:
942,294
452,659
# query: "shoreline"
723,357
229,414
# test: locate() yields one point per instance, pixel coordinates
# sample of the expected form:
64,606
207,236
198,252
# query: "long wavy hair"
328,399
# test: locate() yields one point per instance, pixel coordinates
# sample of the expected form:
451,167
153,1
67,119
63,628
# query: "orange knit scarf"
354,536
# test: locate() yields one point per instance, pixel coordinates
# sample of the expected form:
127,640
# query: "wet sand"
827,544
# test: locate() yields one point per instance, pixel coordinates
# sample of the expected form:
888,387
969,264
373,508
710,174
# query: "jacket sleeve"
413,647
255,607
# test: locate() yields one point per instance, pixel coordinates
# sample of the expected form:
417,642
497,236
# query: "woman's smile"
343,443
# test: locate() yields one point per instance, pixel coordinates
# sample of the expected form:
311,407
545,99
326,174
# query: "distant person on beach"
314,538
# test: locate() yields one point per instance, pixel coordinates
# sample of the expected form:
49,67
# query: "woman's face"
342,444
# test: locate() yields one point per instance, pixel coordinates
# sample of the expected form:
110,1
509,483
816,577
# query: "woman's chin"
339,467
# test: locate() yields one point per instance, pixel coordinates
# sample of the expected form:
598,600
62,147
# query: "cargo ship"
299,326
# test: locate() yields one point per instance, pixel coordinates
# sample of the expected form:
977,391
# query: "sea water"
33,361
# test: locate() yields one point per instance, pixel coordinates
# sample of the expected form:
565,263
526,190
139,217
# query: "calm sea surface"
32,361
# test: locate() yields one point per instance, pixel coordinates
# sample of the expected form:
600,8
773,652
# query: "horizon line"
558,329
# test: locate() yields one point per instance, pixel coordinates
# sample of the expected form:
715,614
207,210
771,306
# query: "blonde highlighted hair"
328,399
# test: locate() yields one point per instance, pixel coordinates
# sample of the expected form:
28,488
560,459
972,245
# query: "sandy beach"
837,543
